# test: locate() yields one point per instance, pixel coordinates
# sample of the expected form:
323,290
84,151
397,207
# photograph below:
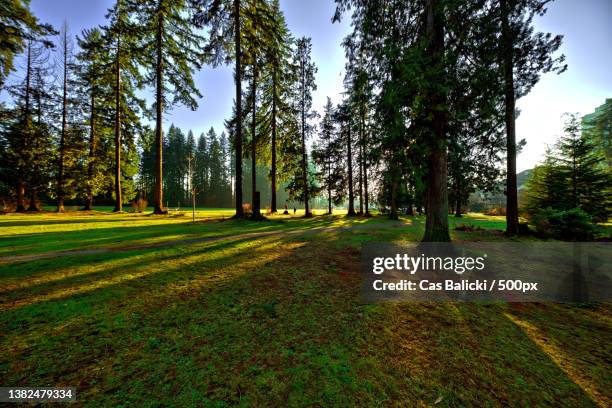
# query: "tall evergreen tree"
22,143
277,113
171,50
66,66
224,20
306,71
92,60
121,42
328,156
524,56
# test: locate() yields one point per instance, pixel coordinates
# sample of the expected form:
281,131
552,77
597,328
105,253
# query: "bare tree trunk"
349,159
436,223
118,198
511,187
159,185
238,135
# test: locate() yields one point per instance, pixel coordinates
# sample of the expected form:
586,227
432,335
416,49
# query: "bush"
568,225
140,204
247,210
495,211
8,204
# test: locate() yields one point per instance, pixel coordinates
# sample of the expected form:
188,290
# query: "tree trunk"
458,204
329,194
92,151
394,184
33,199
25,130
256,213
304,161
365,170
273,167
511,188
118,198
436,222
238,135
349,159
360,163
158,199
409,211
60,172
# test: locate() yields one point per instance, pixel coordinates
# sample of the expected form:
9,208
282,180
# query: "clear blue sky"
587,46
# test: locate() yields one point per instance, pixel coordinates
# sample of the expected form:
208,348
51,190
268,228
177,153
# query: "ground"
143,310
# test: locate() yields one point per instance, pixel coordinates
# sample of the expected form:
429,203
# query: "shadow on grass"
276,321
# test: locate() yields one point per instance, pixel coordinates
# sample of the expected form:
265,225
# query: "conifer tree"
23,131
277,113
121,38
224,21
171,51
95,82
65,62
328,156
305,85
524,56
20,29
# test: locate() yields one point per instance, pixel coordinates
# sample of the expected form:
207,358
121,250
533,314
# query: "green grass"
217,316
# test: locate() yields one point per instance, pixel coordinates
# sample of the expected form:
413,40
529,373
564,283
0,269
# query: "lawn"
142,310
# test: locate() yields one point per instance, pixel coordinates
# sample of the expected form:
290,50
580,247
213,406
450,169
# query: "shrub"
8,204
139,204
247,210
495,211
568,225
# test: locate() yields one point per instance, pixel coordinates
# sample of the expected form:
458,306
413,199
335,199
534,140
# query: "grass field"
143,310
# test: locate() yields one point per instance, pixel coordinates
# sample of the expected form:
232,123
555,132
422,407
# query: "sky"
584,86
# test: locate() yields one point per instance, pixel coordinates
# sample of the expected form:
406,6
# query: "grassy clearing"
271,320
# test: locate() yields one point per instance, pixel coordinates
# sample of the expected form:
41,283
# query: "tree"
305,86
344,120
524,56
277,114
93,58
20,28
124,54
22,143
66,65
201,168
328,156
588,177
574,175
171,51
224,22
259,33
597,127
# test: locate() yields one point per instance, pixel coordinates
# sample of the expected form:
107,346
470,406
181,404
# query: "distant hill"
523,177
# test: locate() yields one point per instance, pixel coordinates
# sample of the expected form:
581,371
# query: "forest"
149,264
